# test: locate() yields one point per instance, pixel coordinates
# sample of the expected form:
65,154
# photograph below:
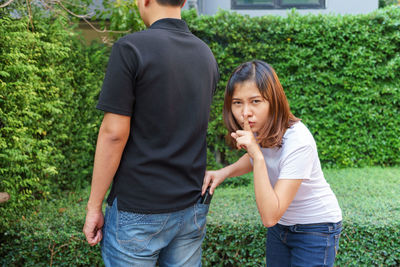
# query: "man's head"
152,10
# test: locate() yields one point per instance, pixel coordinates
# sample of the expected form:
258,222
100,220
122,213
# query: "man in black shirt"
156,96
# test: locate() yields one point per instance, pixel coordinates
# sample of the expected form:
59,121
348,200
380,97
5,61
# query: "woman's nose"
246,111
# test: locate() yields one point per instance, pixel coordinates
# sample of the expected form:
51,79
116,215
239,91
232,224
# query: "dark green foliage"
367,245
239,244
121,17
385,3
52,233
48,123
341,75
236,182
244,245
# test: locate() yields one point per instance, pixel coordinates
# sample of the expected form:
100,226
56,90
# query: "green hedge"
341,75
50,235
369,199
49,84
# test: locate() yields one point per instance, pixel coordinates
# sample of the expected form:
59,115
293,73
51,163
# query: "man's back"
163,78
152,144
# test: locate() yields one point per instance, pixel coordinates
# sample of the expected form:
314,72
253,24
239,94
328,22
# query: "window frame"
277,4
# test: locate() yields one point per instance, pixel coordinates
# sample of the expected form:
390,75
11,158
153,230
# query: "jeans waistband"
329,225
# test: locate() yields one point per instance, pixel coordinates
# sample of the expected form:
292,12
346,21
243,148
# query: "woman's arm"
215,178
272,203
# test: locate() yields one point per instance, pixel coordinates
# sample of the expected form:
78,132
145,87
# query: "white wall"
210,7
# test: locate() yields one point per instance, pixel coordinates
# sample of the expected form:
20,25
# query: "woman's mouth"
251,124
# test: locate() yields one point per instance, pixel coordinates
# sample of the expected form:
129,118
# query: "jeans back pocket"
135,230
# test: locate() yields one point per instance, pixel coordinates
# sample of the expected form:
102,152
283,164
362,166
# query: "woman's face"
248,101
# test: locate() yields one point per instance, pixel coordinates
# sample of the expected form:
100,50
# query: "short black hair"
171,2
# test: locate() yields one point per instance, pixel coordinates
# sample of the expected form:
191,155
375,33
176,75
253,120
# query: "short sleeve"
118,92
297,164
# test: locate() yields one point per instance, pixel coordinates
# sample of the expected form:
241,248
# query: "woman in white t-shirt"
293,198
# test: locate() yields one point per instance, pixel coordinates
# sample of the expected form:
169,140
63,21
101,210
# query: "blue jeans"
135,239
305,245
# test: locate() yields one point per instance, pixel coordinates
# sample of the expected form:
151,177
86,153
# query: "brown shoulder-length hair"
279,118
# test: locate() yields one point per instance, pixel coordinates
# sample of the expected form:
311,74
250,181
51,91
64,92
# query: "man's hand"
92,228
113,135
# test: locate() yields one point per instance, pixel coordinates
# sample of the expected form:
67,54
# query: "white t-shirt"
298,159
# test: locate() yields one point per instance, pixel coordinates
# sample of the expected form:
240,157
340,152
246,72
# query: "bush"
49,84
385,3
52,234
341,75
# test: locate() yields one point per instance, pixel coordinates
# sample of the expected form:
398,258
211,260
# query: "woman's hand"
245,139
213,179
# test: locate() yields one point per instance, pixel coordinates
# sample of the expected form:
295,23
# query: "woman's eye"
236,102
256,101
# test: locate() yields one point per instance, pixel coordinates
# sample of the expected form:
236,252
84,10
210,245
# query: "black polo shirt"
164,78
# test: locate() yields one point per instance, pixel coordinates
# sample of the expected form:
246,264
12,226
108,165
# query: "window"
278,4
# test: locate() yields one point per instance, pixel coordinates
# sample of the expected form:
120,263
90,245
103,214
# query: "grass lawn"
366,195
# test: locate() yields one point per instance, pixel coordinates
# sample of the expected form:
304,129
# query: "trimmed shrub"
52,234
384,3
49,84
341,75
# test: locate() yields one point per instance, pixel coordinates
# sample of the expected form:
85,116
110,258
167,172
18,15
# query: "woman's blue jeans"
305,245
172,239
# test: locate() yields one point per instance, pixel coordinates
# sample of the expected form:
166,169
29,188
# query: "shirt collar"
170,24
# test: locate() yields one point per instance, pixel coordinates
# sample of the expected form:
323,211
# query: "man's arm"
113,135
